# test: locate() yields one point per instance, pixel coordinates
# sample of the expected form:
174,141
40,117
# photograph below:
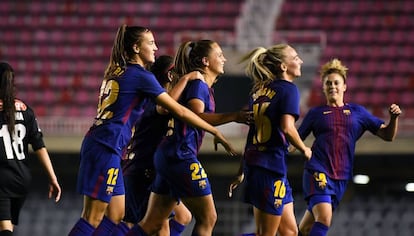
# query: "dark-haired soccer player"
126,86
18,129
179,174
138,164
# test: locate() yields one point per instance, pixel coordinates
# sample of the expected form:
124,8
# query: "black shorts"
10,208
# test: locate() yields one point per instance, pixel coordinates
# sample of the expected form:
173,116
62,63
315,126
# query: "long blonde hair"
264,65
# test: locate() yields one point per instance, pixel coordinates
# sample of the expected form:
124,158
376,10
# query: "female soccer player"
336,126
179,174
18,129
124,91
275,105
138,164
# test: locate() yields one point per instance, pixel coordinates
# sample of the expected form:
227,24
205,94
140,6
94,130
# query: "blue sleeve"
290,101
138,80
197,89
305,127
151,86
369,121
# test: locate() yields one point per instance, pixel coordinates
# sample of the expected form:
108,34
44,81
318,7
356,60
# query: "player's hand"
195,75
291,149
219,138
54,189
235,183
245,117
394,110
308,153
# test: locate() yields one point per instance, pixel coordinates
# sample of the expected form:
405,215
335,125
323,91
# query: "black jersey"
15,173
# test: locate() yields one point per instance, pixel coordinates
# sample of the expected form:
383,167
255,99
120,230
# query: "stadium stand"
54,44
371,37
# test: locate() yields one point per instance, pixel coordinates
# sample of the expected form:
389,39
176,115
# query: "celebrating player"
336,126
179,174
275,105
123,94
138,165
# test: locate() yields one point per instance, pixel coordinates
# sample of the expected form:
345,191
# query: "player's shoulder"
356,107
20,105
318,108
197,82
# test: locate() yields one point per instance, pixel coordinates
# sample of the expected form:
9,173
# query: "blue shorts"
267,190
100,174
318,187
137,191
179,178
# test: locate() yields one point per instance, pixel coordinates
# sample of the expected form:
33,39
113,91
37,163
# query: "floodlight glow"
409,187
361,179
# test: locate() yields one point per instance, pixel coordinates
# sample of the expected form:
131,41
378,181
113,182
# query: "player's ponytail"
190,56
182,58
264,65
117,58
122,49
7,95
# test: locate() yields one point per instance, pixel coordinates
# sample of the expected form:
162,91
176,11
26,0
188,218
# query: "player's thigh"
266,224
93,209
159,208
116,209
288,226
306,223
202,208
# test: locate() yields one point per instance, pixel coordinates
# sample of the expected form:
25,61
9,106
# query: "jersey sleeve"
150,85
290,100
35,134
197,89
305,127
370,122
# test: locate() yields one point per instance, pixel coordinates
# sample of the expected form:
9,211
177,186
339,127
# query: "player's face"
293,63
334,88
216,60
147,49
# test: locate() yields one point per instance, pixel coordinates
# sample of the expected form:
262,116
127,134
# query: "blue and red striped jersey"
336,131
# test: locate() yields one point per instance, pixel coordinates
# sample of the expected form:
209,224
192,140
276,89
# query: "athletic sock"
6,233
136,231
105,228
176,228
318,229
121,229
82,228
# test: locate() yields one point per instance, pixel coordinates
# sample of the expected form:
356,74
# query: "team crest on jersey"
202,184
109,190
347,112
278,202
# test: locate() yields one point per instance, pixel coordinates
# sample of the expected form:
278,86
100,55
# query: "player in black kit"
18,129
